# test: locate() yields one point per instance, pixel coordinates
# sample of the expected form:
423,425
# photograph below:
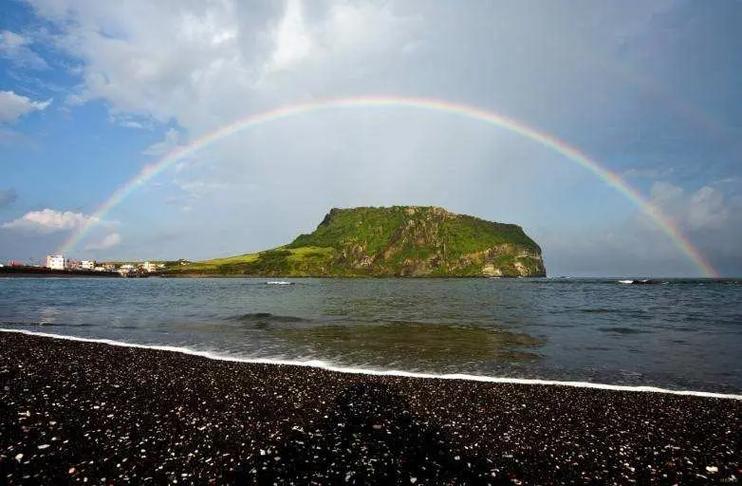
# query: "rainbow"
490,117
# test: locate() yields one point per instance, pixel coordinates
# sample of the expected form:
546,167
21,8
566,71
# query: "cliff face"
397,241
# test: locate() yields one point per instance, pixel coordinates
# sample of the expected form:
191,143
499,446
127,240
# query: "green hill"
410,241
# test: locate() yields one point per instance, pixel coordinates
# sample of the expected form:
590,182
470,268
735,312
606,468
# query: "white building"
149,267
125,269
55,262
87,264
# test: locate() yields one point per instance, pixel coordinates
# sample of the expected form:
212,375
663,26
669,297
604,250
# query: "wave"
372,372
45,324
624,330
266,317
646,281
599,310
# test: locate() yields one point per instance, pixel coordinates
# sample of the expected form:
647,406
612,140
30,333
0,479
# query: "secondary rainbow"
490,117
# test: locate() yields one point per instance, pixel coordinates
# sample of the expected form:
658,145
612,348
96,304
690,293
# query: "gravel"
94,413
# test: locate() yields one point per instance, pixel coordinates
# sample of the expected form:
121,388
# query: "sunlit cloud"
14,106
293,41
48,221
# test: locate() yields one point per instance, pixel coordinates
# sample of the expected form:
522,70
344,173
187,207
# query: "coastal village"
60,263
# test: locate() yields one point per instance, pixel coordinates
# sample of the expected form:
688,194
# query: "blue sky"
91,92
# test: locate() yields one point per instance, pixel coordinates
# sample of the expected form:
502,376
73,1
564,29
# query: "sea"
674,333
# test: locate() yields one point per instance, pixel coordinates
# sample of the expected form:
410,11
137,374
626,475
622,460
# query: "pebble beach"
82,412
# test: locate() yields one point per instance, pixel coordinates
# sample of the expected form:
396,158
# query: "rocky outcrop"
422,241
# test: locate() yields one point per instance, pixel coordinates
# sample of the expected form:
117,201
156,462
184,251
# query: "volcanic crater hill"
403,241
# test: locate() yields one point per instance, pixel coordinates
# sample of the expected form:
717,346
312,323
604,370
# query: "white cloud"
171,140
120,119
293,42
667,196
204,64
703,209
15,47
708,209
132,124
13,106
48,221
109,241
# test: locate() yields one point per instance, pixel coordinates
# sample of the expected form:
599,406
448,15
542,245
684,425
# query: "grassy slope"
412,236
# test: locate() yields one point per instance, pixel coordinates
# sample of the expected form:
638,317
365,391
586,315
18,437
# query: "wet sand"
90,412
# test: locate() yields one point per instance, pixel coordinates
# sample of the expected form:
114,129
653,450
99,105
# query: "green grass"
467,234
247,258
372,226
279,261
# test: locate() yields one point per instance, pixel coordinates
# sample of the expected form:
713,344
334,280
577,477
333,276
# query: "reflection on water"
683,334
49,315
410,345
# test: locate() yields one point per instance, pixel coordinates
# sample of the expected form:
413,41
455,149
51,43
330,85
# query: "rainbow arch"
490,117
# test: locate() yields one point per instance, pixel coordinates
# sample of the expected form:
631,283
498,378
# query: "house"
72,264
125,269
149,267
55,262
87,265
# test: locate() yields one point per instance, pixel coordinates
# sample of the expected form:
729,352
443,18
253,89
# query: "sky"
93,92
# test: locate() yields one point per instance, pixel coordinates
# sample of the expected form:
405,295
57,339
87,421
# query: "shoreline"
59,274
321,365
74,409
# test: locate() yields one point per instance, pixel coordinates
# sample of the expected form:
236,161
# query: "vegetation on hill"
396,241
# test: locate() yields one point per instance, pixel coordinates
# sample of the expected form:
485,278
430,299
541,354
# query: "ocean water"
679,334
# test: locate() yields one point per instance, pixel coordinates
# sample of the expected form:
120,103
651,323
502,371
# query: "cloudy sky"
91,92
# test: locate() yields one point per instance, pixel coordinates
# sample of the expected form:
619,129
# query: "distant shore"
75,410
46,272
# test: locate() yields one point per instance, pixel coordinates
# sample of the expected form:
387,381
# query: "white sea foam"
279,282
360,371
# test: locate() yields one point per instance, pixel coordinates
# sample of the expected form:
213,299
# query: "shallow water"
682,334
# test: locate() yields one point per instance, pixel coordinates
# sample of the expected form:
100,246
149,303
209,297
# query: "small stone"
413,480
712,469
18,457
71,471
43,446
